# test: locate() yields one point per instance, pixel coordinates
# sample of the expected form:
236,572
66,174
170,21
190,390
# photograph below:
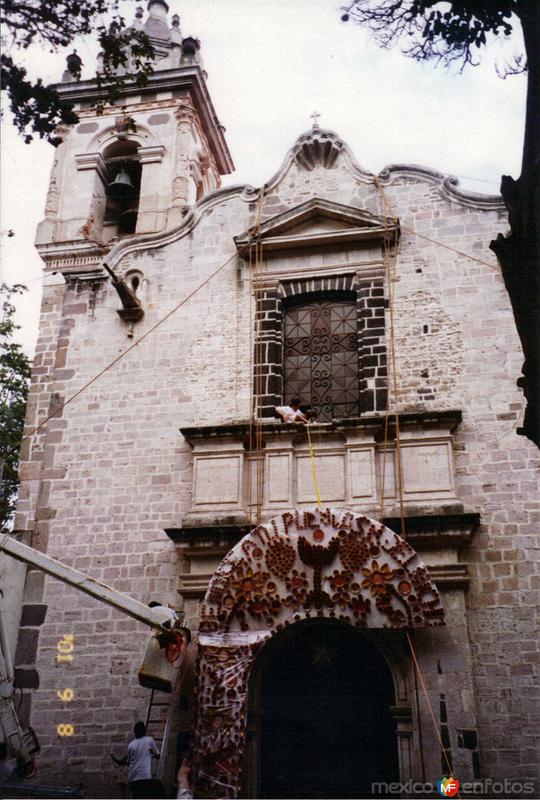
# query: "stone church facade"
415,539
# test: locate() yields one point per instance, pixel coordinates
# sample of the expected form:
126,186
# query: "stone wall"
103,480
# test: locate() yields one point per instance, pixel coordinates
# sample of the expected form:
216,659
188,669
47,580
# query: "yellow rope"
314,468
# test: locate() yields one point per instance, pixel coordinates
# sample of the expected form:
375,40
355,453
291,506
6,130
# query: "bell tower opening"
123,189
320,714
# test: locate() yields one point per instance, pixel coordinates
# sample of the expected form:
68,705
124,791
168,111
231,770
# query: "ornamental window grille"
321,357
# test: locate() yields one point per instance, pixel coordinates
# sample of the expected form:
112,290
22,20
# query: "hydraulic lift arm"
23,741
123,602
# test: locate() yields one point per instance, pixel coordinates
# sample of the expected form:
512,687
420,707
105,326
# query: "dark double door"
325,726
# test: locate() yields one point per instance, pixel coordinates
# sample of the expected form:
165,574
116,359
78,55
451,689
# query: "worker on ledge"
292,412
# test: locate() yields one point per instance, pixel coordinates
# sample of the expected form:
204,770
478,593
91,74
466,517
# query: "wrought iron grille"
321,358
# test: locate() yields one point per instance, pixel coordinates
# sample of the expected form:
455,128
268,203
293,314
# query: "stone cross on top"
315,116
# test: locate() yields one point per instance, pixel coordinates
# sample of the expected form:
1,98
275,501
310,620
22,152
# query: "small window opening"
136,282
426,328
123,187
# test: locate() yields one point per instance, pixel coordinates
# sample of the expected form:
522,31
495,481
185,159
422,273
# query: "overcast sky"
270,64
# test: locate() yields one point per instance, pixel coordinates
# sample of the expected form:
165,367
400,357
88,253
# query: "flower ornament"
377,577
249,585
340,583
257,607
340,580
297,583
360,606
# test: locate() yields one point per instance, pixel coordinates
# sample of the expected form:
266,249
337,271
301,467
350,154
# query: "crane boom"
106,594
23,740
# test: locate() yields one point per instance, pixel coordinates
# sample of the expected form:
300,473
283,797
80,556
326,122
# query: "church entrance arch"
300,566
320,716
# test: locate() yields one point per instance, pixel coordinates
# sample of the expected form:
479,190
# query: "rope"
252,320
313,468
447,246
390,276
128,350
428,702
256,352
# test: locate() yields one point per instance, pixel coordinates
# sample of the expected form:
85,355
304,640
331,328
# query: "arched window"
321,355
123,187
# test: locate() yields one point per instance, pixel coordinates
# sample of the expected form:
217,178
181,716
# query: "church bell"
128,219
121,188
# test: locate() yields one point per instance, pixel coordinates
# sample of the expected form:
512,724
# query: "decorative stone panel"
350,456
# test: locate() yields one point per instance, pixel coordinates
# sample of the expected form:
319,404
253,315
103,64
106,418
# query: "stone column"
185,116
46,228
370,306
151,214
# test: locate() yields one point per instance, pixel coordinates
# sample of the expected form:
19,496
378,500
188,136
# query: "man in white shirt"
139,756
292,413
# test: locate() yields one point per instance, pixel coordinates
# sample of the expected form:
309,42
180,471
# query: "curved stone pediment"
318,222
317,146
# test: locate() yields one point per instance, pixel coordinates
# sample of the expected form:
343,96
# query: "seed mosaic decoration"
299,565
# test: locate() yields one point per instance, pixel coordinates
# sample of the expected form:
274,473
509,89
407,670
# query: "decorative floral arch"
300,565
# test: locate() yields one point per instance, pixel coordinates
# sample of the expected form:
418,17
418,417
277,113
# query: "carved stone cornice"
150,155
186,79
321,147
425,531
374,424
73,257
282,232
92,161
437,531
448,186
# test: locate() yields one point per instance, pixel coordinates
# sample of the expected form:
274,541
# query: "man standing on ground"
139,756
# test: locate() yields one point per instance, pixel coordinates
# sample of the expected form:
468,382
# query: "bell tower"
111,179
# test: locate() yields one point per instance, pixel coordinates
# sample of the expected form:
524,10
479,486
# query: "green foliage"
450,31
127,57
15,370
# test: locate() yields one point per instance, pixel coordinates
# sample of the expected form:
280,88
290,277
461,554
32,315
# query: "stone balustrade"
356,463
